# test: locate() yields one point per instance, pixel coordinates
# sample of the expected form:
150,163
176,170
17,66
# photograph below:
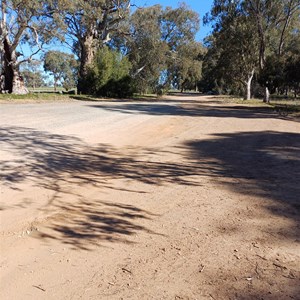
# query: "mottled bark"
13,82
86,59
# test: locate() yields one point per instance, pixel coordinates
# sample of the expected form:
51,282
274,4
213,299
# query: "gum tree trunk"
86,59
12,81
248,86
267,95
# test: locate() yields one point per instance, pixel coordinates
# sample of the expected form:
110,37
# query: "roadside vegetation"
253,50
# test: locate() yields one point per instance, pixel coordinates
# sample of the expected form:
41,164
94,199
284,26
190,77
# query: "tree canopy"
23,22
250,37
253,43
62,66
158,47
89,25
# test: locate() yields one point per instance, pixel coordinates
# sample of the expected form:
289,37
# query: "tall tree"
62,66
178,30
157,37
234,49
89,25
274,20
31,22
271,23
32,74
146,50
185,66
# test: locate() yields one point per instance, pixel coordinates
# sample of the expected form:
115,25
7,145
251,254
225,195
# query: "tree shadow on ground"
258,165
62,164
87,223
48,158
193,110
193,99
264,164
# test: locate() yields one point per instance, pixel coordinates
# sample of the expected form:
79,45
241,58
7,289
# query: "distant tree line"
118,52
254,48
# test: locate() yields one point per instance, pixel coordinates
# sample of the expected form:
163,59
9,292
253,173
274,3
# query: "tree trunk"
267,95
248,85
55,84
13,82
86,59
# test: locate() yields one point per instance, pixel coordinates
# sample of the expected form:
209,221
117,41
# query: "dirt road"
182,198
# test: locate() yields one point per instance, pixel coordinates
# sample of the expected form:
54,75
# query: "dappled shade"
265,164
49,159
190,109
62,164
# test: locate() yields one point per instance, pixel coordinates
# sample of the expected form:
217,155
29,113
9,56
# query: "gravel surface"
186,197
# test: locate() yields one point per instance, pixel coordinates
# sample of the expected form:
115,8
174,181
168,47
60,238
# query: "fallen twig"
201,268
40,288
279,266
126,270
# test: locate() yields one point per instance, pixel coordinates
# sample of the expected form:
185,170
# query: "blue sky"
200,6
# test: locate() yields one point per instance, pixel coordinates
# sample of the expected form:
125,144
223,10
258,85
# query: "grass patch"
33,97
135,97
290,105
239,100
51,96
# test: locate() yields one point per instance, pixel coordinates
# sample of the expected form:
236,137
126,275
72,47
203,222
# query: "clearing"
181,198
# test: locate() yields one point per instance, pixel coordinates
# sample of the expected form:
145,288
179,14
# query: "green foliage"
63,67
251,36
283,73
33,79
179,26
231,56
23,22
147,52
185,66
32,75
89,25
161,48
109,74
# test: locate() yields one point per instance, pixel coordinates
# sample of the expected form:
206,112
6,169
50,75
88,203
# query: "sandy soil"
183,198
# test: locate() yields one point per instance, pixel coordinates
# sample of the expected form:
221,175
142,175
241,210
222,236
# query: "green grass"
239,100
292,105
47,89
33,96
51,96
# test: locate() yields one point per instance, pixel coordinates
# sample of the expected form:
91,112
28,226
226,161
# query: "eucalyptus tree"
235,52
157,37
292,66
146,50
23,22
271,23
185,66
275,20
89,25
62,66
32,74
179,26
178,30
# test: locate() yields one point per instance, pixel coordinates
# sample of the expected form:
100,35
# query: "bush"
121,88
109,75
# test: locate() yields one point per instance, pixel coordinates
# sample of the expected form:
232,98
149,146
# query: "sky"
200,6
